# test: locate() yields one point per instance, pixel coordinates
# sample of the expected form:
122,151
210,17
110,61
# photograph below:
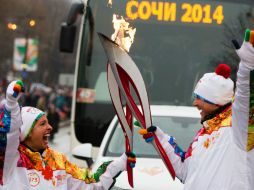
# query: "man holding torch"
221,156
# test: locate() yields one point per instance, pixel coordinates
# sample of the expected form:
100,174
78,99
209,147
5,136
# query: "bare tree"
233,31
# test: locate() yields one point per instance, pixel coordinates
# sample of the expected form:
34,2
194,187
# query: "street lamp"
12,26
24,62
32,22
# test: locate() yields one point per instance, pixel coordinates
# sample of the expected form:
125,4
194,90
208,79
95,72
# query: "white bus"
175,43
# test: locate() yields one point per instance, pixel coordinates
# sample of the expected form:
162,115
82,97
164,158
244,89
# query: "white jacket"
221,156
22,169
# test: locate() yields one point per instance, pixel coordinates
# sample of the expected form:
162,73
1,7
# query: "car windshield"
182,128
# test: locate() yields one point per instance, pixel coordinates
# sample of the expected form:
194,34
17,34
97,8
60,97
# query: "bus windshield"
175,43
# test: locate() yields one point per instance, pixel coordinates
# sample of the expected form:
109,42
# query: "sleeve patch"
5,120
178,150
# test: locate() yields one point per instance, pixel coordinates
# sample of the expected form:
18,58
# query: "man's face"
204,107
38,138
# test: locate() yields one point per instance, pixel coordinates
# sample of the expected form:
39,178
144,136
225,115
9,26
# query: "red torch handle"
165,157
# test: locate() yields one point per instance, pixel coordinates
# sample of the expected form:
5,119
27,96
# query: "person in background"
60,102
53,119
42,102
27,162
221,156
3,85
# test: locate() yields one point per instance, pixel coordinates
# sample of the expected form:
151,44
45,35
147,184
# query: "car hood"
149,174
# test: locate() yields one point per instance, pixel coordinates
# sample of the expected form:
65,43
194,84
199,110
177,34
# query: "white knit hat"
216,87
30,116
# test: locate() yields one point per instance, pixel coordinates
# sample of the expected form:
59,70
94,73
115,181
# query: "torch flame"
123,35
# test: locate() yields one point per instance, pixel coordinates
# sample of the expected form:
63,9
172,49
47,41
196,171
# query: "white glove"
13,93
246,51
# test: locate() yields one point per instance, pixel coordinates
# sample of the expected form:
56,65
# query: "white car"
150,172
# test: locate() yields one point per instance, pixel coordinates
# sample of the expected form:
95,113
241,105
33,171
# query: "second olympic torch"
122,72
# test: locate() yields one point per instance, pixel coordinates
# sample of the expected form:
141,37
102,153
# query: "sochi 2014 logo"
33,178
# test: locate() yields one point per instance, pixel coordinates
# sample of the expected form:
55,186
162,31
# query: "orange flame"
123,35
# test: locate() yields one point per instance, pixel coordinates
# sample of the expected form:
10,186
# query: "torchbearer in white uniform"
221,156
27,162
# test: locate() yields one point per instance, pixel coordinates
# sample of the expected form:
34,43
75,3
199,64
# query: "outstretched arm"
175,154
243,105
9,131
103,179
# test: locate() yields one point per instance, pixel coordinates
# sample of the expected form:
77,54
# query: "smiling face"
204,107
38,138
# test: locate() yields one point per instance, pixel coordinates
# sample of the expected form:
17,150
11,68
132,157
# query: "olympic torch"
122,72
